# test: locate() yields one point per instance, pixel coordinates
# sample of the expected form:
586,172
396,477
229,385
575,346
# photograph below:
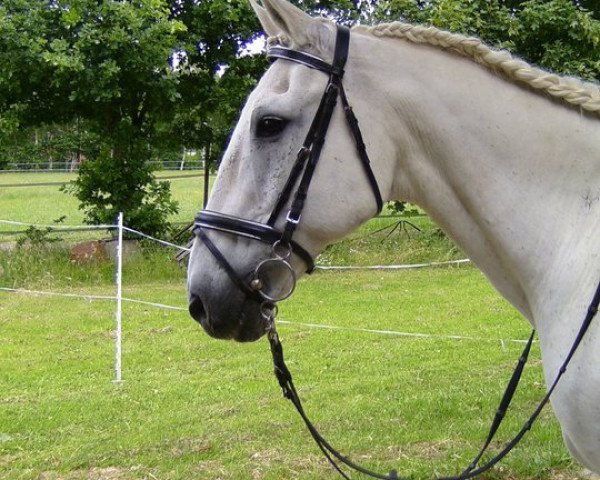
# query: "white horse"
503,156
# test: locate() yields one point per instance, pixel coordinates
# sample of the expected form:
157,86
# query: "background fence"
119,228
13,167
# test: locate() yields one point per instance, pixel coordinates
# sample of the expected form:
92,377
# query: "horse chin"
243,324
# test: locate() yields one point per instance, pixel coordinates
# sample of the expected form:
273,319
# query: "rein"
283,246
336,459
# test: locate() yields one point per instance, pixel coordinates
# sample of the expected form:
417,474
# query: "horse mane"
576,92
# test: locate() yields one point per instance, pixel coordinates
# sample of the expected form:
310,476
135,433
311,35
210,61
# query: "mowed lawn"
417,394
42,204
192,407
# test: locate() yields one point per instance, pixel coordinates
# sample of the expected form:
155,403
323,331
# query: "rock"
92,251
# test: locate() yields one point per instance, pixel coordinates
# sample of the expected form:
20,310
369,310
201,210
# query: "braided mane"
571,90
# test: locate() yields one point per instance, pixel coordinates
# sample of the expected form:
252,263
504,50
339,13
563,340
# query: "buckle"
292,220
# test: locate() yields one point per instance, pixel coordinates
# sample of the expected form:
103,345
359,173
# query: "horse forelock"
570,90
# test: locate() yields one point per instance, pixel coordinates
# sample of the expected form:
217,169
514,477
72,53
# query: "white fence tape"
409,266
83,296
59,226
320,326
162,242
118,298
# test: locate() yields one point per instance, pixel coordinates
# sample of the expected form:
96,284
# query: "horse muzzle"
234,319
236,301
233,287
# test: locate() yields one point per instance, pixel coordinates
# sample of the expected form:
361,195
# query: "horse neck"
511,176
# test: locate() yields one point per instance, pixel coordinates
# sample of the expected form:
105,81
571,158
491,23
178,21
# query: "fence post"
119,259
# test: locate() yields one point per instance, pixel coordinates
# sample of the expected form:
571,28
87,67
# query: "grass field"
192,407
43,204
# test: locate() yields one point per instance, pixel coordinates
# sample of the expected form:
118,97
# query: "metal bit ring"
258,284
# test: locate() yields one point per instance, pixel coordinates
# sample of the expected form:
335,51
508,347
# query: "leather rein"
283,246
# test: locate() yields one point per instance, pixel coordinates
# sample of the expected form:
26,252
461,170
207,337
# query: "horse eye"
270,126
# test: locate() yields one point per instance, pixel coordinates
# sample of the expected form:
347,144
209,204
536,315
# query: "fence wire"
119,298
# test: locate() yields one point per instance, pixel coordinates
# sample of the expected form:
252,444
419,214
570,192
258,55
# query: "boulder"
92,251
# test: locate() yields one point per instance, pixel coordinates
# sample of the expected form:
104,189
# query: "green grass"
194,407
44,204
384,241
48,266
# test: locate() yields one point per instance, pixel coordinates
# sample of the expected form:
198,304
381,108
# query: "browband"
300,57
342,45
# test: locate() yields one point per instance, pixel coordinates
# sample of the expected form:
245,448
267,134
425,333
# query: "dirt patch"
189,445
264,460
96,473
212,469
430,450
110,473
161,331
6,460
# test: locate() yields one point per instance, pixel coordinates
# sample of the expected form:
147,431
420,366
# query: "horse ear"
265,20
280,16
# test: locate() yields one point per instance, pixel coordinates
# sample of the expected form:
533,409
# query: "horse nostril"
196,308
200,313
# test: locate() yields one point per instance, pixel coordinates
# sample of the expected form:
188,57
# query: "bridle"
283,246
302,172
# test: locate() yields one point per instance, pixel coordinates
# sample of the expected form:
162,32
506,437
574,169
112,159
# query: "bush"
112,183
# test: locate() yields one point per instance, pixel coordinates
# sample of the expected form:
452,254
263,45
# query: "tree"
62,146
216,70
559,35
214,73
106,62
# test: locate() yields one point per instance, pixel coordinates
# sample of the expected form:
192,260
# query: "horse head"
232,276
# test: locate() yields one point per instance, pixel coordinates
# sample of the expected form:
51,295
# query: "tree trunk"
206,173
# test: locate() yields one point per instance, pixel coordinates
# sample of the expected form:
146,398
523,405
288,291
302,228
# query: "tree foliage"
48,145
214,69
106,62
558,35
142,76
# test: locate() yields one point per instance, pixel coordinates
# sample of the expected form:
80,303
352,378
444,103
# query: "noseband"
282,244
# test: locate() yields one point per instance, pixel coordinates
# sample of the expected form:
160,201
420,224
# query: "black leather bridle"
283,246
300,178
